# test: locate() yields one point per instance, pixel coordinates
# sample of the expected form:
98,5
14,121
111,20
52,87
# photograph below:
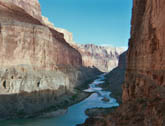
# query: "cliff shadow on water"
35,93
36,104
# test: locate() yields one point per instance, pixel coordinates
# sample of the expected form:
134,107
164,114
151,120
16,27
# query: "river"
76,113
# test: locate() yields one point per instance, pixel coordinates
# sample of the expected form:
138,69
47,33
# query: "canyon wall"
32,7
145,75
144,87
102,57
37,65
146,55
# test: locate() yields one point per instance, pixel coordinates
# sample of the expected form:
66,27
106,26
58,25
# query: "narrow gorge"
37,65
41,68
49,79
144,87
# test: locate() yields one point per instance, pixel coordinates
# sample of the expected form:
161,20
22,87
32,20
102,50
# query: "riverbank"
99,112
113,83
64,101
75,114
68,99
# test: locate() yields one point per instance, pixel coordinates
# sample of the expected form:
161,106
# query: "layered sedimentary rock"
146,54
144,87
32,7
37,65
67,35
103,58
145,75
24,40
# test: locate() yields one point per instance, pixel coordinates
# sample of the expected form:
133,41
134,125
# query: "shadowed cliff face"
35,61
104,58
146,55
144,87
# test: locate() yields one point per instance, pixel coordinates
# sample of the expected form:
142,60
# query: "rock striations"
104,58
32,7
144,87
146,54
36,63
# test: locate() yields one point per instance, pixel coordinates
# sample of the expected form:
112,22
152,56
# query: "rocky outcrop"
32,7
67,35
37,65
144,87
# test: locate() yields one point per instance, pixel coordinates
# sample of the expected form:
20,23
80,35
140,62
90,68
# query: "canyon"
144,87
38,68
104,58
42,69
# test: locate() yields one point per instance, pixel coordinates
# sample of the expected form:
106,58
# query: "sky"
101,22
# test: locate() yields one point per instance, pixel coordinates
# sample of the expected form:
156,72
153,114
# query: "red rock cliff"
144,87
146,54
37,65
24,40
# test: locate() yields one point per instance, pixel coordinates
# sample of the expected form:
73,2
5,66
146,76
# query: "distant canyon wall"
105,58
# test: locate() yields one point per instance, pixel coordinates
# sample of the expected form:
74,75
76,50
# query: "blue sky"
102,22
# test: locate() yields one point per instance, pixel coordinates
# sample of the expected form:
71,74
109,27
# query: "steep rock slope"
104,58
115,79
146,54
113,82
37,65
144,87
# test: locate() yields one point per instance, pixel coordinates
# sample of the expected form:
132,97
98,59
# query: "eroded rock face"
24,40
146,54
32,7
37,65
145,75
67,35
103,58
144,87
